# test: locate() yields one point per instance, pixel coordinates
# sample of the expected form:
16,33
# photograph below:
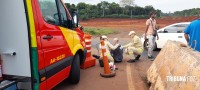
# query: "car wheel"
75,70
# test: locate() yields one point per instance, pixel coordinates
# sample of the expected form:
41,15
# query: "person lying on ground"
117,54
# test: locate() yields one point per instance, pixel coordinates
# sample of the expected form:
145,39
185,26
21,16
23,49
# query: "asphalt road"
129,76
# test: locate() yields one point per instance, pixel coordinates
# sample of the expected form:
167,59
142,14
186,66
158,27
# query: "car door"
54,46
166,34
51,36
173,32
180,32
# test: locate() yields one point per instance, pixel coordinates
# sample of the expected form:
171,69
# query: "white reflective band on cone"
88,45
88,40
103,47
88,51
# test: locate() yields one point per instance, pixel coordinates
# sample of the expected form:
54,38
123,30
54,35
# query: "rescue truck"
39,45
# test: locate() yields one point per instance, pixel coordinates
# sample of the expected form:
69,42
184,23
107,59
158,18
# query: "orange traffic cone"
90,61
107,72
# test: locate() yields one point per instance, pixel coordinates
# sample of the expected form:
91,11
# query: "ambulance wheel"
75,70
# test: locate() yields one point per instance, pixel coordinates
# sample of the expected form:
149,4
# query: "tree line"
105,9
187,12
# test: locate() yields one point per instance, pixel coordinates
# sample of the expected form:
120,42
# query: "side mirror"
75,19
81,28
165,31
56,16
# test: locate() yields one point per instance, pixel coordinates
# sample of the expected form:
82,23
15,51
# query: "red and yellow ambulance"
39,46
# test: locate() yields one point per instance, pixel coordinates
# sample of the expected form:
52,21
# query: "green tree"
68,5
104,6
73,7
127,2
188,12
112,10
148,9
81,6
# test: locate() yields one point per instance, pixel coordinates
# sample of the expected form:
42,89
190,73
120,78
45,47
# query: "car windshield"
178,28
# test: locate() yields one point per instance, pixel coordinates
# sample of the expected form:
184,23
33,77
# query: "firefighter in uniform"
134,49
108,47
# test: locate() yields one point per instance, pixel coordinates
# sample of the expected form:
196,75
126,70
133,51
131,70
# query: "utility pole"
103,12
103,7
131,14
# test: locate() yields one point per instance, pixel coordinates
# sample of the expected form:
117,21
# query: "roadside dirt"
123,26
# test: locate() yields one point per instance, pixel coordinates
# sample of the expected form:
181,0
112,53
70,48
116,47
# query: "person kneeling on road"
108,47
134,49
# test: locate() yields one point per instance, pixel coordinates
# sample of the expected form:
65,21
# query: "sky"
164,5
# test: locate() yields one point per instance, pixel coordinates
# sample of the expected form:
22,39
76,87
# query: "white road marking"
129,77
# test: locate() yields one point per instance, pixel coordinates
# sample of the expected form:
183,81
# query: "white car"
173,32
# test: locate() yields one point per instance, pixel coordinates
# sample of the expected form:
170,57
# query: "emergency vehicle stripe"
31,24
72,40
68,38
32,35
